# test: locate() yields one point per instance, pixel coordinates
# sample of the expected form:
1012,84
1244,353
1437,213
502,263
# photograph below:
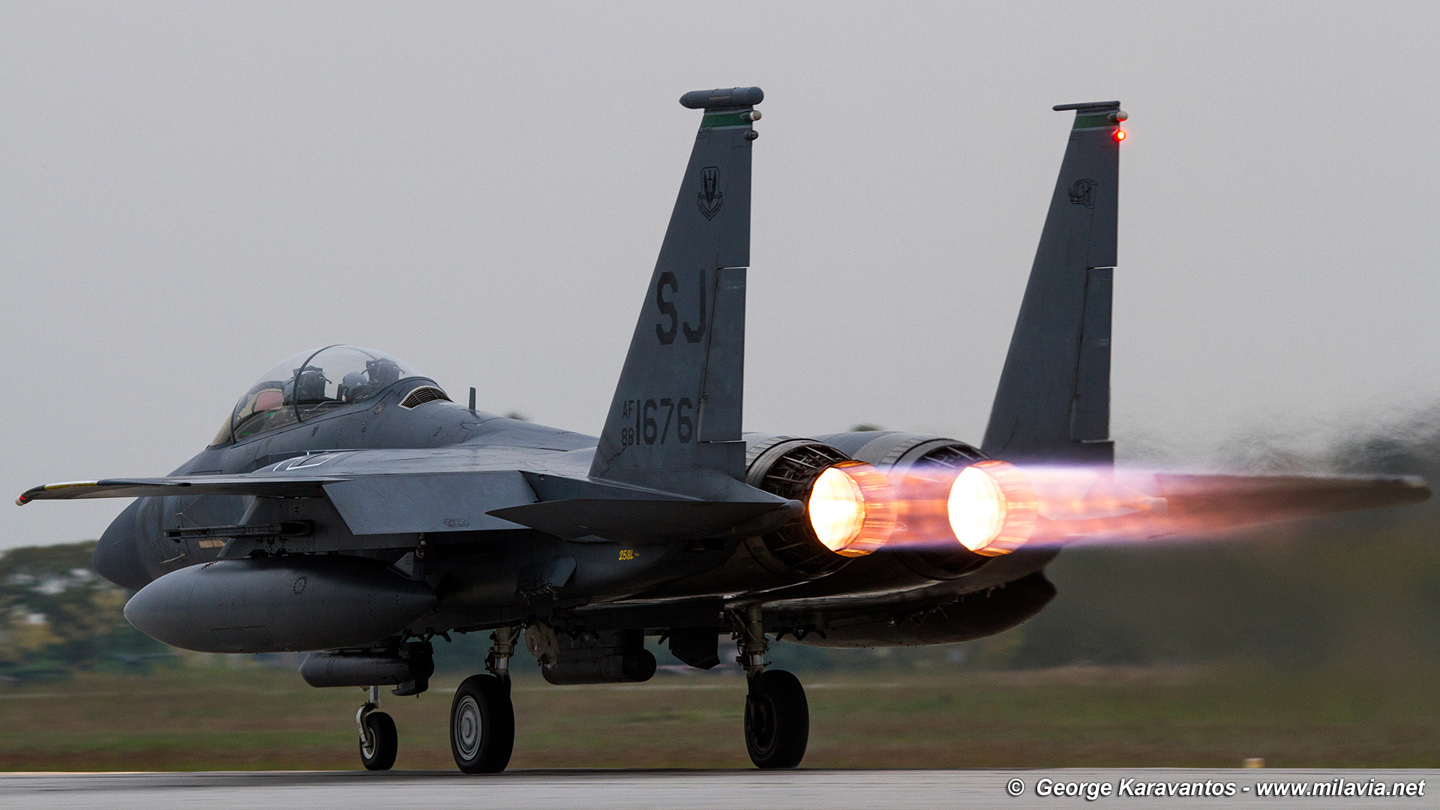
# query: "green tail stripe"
726,119
1092,121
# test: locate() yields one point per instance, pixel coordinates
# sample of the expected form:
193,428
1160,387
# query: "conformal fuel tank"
278,604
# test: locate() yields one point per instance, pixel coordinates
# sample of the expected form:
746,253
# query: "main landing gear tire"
380,743
482,725
777,720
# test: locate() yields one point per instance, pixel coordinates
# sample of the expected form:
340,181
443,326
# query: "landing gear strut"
378,741
777,716
482,718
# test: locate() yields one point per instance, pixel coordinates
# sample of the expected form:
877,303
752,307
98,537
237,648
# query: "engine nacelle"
849,506
279,604
970,616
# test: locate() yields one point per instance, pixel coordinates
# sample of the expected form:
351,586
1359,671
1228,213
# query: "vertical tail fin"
1053,403
676,410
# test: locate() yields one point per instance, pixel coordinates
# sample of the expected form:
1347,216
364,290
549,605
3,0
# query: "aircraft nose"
117,555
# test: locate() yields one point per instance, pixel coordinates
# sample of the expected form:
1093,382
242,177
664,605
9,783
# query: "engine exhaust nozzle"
992,508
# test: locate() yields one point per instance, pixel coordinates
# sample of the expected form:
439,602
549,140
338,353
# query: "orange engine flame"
992,508
852,508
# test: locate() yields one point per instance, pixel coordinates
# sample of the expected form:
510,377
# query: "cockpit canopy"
311,383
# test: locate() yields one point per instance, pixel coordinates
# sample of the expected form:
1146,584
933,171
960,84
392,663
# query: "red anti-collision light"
1119,135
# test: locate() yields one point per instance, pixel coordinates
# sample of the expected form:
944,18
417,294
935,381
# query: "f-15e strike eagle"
349,508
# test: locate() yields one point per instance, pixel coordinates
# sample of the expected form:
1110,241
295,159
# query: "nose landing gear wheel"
482,725
777,720
379,742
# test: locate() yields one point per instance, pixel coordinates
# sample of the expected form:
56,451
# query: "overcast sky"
190,192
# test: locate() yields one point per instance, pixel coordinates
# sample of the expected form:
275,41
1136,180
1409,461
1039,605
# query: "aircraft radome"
349,508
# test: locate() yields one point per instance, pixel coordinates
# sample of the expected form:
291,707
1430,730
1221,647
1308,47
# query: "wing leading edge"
265,486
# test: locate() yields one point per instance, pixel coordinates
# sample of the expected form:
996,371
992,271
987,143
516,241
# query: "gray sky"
190,192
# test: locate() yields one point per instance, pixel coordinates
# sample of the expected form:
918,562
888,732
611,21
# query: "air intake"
422,395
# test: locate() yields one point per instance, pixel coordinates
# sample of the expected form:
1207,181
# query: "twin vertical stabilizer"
674,423
1053,403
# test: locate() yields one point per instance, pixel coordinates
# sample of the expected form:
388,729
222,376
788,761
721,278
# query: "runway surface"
692,790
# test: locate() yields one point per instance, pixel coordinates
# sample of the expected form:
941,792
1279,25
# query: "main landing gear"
482,718
777,716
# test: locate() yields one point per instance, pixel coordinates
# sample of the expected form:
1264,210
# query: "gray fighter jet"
349,508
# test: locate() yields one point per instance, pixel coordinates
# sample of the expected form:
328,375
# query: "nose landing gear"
777,716
378,740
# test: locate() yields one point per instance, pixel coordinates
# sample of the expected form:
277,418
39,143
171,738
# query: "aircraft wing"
385,502
273,486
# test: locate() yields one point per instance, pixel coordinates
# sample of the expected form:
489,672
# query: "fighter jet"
348,507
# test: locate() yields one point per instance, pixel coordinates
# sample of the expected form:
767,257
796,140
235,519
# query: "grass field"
216,717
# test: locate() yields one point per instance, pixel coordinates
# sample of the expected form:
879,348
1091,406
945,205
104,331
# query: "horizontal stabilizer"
650,521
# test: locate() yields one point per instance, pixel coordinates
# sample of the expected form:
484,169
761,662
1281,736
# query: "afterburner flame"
851,508
992,508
